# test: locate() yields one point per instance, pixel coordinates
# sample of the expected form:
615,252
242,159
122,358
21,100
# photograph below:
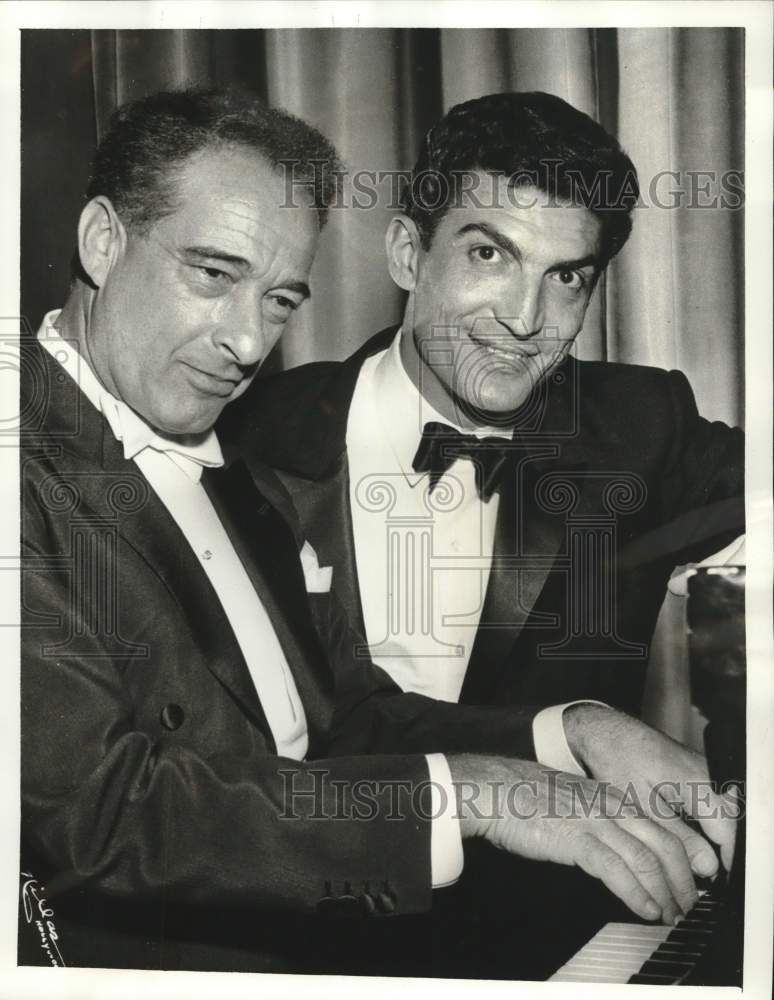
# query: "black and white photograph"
387,566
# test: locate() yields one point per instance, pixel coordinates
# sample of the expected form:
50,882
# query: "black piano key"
691,935
674,969
648,980
690,951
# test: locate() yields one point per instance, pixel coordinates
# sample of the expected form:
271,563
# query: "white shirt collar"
127,426
404,411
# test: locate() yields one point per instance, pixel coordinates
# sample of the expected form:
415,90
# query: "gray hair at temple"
533,139
147,139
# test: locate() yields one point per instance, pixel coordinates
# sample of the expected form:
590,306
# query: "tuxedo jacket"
613,480
157,820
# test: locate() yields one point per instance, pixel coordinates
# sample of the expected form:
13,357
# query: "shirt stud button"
206,554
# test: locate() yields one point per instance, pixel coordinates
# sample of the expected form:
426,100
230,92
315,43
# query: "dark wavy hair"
533,139
147,139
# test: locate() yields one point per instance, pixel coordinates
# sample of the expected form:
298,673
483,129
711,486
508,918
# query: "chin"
184,425
502,401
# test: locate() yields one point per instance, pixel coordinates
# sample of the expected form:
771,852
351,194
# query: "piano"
705,947
654,954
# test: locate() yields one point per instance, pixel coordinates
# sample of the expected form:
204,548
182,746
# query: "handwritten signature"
36,909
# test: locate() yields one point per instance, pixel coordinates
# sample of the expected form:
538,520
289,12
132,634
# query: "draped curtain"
674,97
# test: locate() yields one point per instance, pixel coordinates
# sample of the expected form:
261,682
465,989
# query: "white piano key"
614,954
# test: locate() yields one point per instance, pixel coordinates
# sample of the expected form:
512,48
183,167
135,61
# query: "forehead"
526,215
233,198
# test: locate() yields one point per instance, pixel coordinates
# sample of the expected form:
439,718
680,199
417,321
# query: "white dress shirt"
423,560
173,470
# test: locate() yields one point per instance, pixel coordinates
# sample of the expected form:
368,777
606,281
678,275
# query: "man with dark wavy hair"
502,519
515,206
533,140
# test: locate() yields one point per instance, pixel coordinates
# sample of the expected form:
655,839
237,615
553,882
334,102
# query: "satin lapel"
530,532
269,553
324,510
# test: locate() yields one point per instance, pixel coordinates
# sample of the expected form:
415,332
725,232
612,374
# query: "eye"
568,278
212,275
280,307
485,253
209,281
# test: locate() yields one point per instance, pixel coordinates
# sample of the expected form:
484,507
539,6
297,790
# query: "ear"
403,246
101,238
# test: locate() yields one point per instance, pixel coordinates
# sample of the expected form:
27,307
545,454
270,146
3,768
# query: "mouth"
520,354
209,382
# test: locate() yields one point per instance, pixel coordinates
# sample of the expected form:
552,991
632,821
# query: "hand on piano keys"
648,953
545,815
662,776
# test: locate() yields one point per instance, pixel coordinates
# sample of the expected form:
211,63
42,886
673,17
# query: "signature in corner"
36,909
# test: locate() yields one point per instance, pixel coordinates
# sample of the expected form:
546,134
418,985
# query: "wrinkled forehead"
234,196
496,200
238,173
479,189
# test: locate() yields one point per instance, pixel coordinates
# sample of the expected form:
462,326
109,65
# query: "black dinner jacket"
608,456
166,831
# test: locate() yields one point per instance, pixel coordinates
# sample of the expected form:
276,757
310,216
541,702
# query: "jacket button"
367,904
385,903
172,716
386,900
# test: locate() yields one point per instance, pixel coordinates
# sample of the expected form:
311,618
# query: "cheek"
565,316
445,290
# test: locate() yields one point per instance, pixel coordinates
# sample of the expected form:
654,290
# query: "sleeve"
112,801
373,715
702,487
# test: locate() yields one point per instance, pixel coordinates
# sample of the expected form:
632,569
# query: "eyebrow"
508,246
213,253
300,287
494,234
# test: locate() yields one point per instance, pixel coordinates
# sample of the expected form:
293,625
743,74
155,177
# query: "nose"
523,307
241,333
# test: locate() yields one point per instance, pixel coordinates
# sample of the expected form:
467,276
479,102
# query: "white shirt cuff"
732,555
551,746
446,858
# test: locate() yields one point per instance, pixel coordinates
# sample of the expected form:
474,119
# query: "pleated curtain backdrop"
673,96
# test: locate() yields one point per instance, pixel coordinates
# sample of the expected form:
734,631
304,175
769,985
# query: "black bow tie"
442,445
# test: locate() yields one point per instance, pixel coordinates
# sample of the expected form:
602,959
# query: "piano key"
628,946
665,950
592,977
673,969
641,980
691,935
645,953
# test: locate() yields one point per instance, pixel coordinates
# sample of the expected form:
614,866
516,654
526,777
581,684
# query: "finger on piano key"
645,953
